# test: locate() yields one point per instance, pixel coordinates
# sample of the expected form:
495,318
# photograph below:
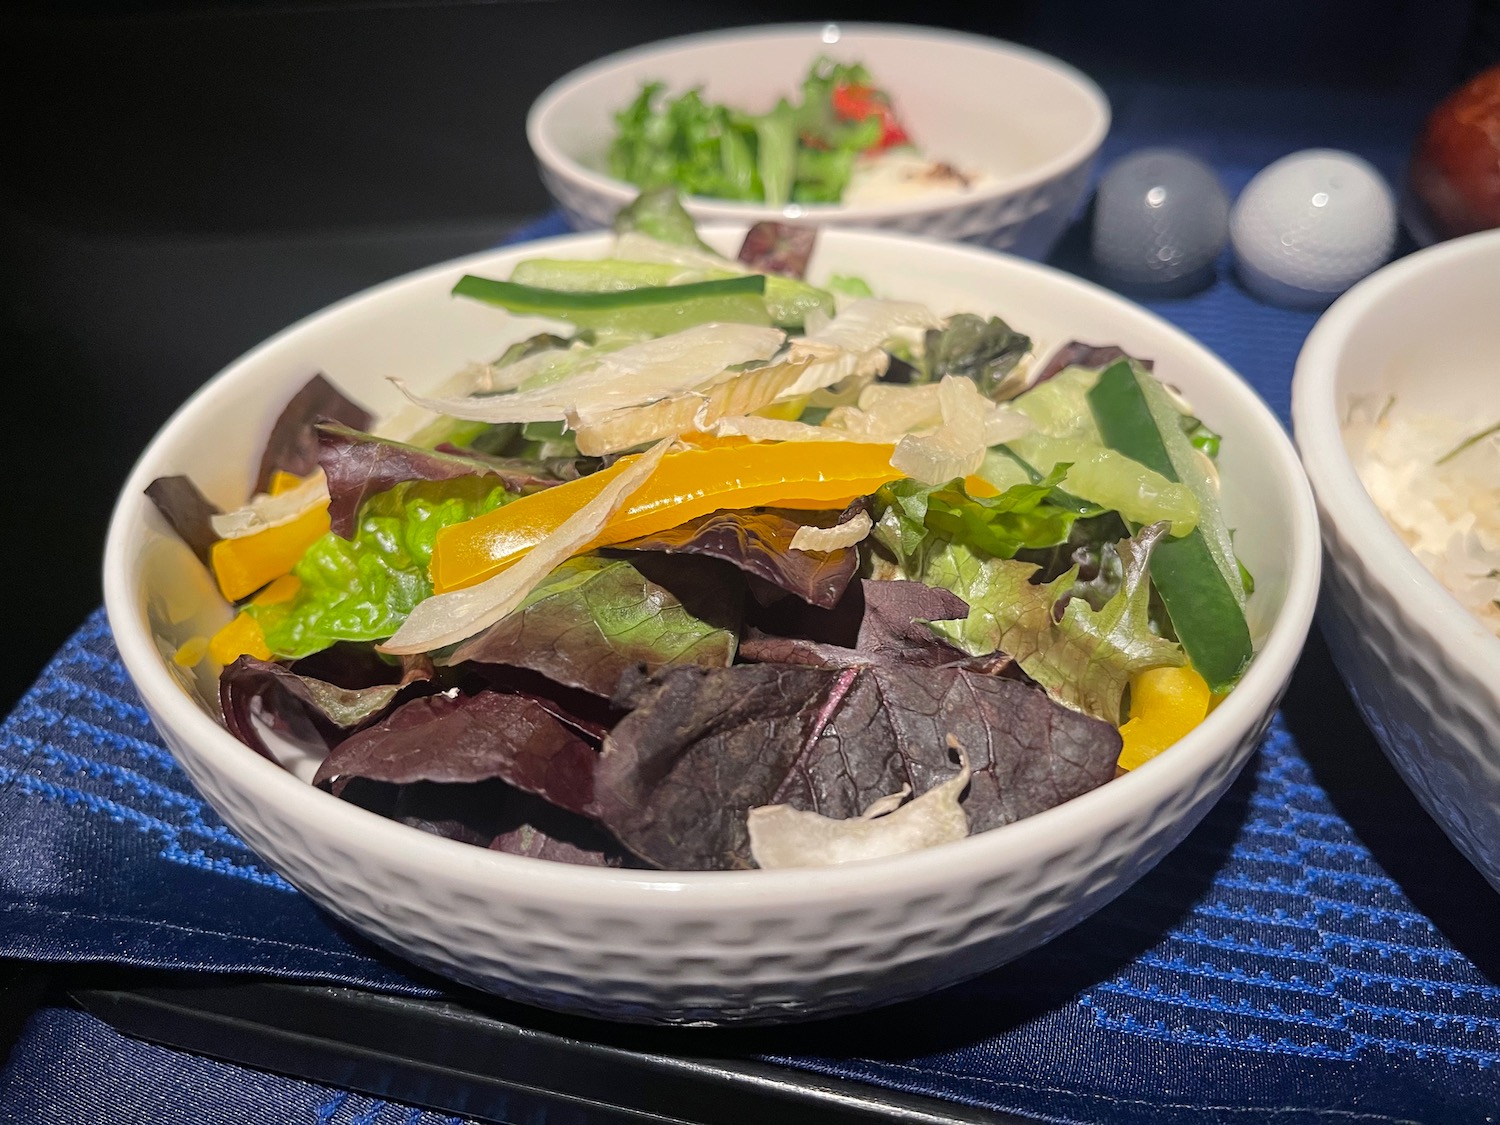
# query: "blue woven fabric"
1315,951
69,1067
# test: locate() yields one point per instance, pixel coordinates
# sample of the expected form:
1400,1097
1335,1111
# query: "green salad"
731,569
802,151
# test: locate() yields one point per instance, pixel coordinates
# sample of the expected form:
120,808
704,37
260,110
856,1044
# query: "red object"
1455,168
855,103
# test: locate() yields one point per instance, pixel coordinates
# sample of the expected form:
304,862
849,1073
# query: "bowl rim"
553,157
1023,844
1348,506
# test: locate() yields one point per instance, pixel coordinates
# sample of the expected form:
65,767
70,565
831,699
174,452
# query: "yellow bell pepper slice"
243,636
687,484
242,566
1165,703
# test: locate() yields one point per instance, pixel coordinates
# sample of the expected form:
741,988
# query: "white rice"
1448,512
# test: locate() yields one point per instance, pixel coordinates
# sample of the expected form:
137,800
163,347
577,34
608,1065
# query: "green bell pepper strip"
1206,612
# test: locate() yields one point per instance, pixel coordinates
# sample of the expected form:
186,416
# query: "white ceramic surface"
1424,672
701,946
1030,121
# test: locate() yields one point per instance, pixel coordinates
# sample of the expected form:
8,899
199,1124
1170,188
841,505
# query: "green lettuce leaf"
986,351
1083,656
911,517
362,588
659,213
594,617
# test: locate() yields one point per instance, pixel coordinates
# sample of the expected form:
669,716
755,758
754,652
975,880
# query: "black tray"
500,1063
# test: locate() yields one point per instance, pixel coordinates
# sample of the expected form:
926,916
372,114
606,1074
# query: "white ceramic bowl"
1424,672
700,946
1028,120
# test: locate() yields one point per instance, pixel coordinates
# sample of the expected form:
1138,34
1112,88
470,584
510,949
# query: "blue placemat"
1314,951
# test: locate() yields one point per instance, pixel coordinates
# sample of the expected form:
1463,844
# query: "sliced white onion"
781,836
735,394
847,534
480,379
264,511
757,428
858,332
446,619
631,376
956,447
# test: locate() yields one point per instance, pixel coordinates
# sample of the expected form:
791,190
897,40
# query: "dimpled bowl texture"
1422,335
698,947
1032,123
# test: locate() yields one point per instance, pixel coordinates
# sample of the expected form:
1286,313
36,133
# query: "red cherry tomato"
856,102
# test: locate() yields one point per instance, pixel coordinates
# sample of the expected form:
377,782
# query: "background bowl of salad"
1396,408
941,133
741,944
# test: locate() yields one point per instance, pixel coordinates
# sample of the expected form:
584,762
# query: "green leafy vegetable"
801,151
1084,657
986,351
660,214
912,517
362,588
594,617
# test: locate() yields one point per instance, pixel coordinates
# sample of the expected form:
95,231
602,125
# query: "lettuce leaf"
759,543
293,444
1083,656
309,708
779,248
491,814
188,511
594,617
985,351
358,466
454,738
912,517
363,588
680,773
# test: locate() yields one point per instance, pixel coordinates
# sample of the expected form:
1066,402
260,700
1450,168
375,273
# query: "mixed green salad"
729,570
802,151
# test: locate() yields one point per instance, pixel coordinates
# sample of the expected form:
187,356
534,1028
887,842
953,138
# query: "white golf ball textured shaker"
1161,218
1310,225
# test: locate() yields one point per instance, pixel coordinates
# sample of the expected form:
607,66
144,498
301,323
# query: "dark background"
178,181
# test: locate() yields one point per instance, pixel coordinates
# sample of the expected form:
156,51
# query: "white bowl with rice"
1395,405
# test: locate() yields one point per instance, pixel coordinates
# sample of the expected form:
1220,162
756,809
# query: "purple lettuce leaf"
681,772
759,543
457,738
783,248
188,511
357,664
890,623
529,472
1078,354
359,465
302,707
491,814
293,444
596,616
530,826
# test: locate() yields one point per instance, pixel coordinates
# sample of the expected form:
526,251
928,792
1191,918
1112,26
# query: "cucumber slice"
788,300
1206,604
652,310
